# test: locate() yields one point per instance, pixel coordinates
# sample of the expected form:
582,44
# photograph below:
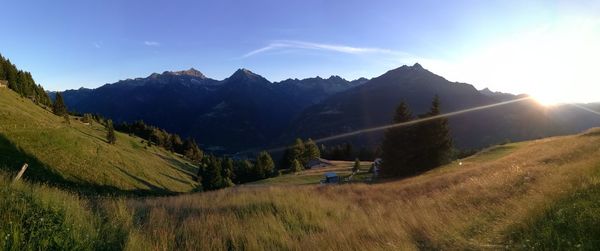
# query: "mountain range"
247,111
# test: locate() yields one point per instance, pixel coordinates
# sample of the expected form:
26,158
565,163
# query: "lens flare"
412,122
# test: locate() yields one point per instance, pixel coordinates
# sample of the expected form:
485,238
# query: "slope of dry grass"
475,205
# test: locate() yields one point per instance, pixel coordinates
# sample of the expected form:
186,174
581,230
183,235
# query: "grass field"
78,156
496,199
542,194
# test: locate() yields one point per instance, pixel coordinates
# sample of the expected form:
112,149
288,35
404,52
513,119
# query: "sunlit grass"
472,206
78,154
517,195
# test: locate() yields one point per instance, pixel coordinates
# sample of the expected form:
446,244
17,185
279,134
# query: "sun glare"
554,64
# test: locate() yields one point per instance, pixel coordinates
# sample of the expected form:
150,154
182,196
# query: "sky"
549,49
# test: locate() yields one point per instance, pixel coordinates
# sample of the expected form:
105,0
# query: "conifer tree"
210,173
434,142
311,150
59,108
297,151
398,144
296,166
264,165
110,132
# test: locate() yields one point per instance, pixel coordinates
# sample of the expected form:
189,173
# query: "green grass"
290,179
541,194
495,152
35,217
571,223
78,156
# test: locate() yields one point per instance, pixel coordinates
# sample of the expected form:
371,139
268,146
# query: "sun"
554,64
548,97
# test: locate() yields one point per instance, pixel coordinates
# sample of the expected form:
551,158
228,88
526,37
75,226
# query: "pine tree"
397,145
311,150
59,107
356,166
296,166
434,142
192,151
210,173
264,165
110,132
297,151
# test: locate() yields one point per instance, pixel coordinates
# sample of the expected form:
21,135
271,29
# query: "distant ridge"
247,111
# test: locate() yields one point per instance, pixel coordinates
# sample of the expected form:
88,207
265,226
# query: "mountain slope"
239,112
496,199
77,155
373,103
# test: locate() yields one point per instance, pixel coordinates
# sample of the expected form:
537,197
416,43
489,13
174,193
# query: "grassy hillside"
499,198
542,194
78,156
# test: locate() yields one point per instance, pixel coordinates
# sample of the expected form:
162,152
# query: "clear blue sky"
69,44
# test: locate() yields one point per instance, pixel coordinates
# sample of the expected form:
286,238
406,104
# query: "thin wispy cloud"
151,43
291,44
98,44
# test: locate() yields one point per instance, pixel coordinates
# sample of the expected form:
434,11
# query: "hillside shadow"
151,186
12,159
179,166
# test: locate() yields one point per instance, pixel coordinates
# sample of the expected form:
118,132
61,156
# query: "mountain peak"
191,72
335,77
244,73
417,66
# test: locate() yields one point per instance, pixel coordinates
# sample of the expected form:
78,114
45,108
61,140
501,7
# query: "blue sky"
69,44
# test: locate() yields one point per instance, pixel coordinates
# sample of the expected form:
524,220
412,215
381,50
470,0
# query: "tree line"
411,149
160,137
220,172
296,156
22,82
346,151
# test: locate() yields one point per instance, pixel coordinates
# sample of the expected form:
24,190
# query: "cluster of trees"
162,138
346,151
21,82
415,148
296,156
220,172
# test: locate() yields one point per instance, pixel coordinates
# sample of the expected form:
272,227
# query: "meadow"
541,194
77,155
495,199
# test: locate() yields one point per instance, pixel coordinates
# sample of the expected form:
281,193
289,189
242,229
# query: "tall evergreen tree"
434,142
296,166
59,108
397,146
311,150
297,151
192,151
210,173
110,132
264,165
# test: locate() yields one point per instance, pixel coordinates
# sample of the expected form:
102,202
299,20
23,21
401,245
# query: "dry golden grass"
470,206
